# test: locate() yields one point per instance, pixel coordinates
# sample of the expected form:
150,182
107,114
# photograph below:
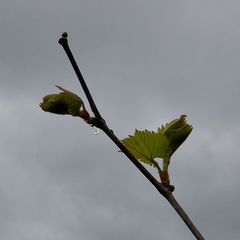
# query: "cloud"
146,63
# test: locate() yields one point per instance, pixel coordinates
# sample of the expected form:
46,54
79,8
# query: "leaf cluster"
148,146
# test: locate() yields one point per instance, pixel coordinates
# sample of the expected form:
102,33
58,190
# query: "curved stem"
99,122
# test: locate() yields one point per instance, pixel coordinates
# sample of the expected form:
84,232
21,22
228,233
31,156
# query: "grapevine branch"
98,121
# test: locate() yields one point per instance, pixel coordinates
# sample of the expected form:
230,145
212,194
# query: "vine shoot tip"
64,35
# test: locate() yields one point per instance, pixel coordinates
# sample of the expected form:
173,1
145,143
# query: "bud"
65,102
177,132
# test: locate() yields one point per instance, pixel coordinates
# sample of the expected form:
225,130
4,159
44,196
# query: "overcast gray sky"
146,63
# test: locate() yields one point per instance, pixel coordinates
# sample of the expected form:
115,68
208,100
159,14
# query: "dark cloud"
146,63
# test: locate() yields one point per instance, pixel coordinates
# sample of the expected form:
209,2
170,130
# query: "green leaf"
65,102
176,131
147,145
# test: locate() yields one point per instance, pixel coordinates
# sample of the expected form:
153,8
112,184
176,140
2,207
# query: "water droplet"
95,131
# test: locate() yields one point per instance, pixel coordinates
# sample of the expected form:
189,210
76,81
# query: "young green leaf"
147,145
65,102
176,131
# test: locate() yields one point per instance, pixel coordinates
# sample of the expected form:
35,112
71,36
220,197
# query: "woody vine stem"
99,122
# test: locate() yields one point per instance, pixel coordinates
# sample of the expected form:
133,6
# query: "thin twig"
99,122
184,216
64,42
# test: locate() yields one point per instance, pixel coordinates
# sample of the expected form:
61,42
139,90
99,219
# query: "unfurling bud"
177,132
65,102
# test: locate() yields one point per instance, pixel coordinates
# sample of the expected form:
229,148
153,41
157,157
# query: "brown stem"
99,122
164,190
184,216
64,42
